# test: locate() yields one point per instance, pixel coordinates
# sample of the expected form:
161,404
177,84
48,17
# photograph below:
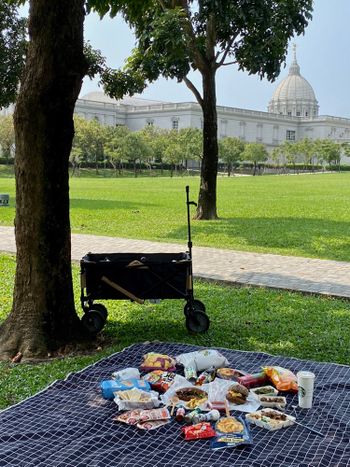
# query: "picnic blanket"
69,424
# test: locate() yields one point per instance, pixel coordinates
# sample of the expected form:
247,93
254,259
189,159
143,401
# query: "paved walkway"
236,267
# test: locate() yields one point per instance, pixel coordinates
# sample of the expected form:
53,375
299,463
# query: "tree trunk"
43,317
207,193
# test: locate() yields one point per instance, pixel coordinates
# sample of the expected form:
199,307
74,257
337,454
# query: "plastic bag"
230,433
126,373
281,378
203,359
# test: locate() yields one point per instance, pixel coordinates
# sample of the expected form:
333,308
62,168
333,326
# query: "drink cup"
305,388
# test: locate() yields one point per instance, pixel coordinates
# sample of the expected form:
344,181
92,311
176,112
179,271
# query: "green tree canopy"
255,153
7,137
230,151
12,51
175,36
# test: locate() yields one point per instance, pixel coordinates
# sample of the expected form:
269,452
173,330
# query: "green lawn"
305,215
256,319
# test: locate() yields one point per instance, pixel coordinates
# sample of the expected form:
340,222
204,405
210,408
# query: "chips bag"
281,378
198,431
156,361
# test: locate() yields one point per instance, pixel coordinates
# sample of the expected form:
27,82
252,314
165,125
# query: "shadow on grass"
304,236
105,204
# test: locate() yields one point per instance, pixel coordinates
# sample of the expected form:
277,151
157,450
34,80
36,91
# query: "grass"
253,319
305,215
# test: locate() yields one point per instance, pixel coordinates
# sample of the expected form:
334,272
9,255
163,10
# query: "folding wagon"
139,277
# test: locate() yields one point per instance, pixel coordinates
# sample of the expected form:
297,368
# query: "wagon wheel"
101,308
197,321
93,321
196,305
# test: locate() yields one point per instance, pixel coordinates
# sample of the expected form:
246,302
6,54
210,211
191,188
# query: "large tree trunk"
207,193
43,317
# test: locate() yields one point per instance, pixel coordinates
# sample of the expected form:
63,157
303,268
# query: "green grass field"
254,319
304,215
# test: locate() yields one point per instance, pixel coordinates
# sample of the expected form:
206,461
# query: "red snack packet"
199,431
254,380
160,380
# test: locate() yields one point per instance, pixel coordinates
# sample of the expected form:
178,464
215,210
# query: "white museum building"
292,114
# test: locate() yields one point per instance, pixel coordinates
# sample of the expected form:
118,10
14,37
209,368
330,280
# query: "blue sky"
323,55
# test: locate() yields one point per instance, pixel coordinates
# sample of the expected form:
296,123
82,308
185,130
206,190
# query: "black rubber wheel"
93,321
101,308
197,321
197,305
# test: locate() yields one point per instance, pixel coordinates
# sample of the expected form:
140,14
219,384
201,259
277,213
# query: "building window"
306,114
175,123
290,135
298,114
289,114
150,122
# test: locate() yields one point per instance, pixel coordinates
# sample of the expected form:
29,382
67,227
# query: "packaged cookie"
160,380
231,432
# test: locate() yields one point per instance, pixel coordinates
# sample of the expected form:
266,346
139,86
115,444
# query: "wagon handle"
188,203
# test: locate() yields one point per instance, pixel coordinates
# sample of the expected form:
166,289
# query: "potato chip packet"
156,361
281,378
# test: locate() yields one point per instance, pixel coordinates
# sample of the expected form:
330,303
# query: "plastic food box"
270,391
270,401
260,418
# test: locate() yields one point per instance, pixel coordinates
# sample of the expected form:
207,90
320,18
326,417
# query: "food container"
264,391
270,419
272,401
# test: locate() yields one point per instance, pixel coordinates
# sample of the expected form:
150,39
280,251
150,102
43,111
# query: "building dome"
294,95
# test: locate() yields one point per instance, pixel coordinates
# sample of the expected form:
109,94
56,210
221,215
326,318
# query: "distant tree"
255,153
191,141
307,149
230,151
328,151
114,146
175,36
174,152
157,140
134,148
7,137
12,51
290,152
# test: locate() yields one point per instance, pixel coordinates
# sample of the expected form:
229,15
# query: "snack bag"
198,431
230,433
160,380
109,387
152,425
281,378
156,361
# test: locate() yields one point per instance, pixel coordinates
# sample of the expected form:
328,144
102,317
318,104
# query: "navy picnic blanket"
70,424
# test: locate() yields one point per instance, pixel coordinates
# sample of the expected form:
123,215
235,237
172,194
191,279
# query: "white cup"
305,388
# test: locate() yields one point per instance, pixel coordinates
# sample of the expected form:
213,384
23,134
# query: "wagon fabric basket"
139,277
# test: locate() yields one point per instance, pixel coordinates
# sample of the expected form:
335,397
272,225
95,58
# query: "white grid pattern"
70,425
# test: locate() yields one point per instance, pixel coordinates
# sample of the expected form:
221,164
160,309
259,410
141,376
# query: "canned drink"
189,417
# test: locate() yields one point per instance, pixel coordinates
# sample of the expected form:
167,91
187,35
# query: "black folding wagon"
139,277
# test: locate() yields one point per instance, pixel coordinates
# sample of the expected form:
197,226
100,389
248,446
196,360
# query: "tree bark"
43,316
207,193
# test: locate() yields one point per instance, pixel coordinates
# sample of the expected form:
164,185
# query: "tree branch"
192,43
210,38
195,91
228,63
226,52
